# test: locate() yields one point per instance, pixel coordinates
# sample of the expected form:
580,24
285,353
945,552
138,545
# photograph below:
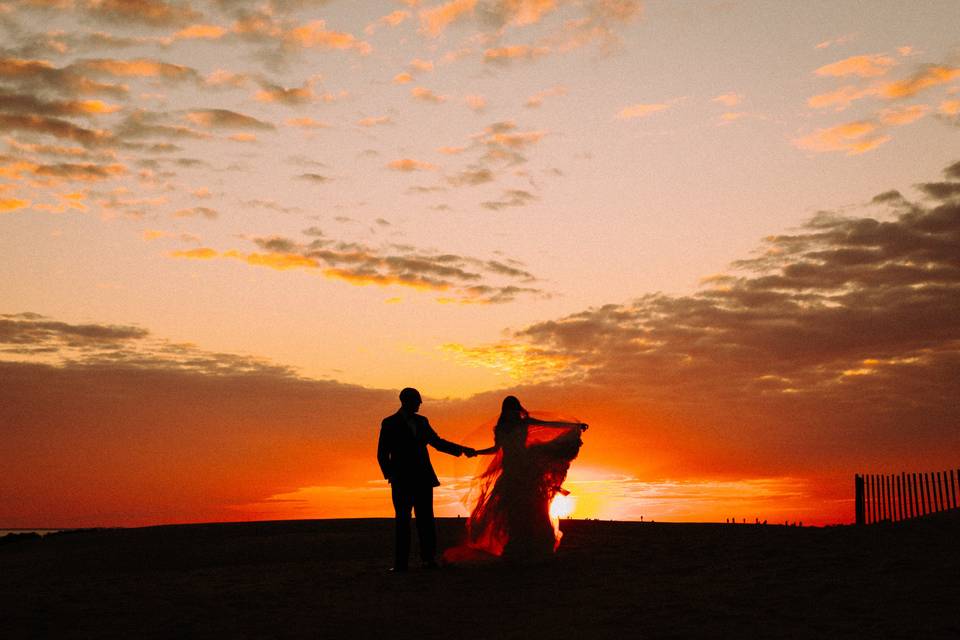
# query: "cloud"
226,119
461,279
403,77
291,96
834,41
8,205
200,32
950,107
154,13
224,78
854,313
42,75
306,123
418,65
728,99
865,66
147,124
510,198
426,95
315,178
641,110
147,430
409,164
374,121
853,137
315,35
536,100
197,212
28,103
477,103
55,127
503,55
393,19
471,177
436,19
137,68
897,116
926,77
38,331
841,98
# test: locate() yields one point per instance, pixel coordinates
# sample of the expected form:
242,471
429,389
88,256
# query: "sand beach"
328,579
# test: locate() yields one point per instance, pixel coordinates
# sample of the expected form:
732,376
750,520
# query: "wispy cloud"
641,110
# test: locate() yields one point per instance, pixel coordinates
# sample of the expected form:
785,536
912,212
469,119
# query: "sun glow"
562,506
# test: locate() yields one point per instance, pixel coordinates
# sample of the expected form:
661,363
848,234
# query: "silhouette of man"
405,463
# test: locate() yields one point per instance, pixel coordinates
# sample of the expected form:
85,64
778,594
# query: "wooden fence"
889,498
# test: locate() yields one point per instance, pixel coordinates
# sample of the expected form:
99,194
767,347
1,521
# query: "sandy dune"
328,579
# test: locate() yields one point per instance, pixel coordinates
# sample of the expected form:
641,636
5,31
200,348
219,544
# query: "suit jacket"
403,457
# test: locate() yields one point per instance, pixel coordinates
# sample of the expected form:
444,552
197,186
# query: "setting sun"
562,506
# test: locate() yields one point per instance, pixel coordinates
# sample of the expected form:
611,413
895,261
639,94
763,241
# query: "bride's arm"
488,450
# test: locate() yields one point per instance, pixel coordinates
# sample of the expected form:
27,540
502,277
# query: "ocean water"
42,532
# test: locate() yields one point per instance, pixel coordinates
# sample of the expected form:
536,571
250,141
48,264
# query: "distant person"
405,463
511,512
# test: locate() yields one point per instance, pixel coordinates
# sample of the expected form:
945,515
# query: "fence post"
926,482
889,480
918,493
899,510
908,493
953,491
943,505
858,501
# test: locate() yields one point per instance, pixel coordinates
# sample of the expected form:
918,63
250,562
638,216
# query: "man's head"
410,400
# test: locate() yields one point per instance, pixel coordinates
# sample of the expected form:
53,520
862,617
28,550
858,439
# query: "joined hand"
469,452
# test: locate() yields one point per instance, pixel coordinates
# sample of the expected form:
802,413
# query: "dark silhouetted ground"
328,579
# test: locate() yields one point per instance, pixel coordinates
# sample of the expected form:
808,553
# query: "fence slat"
926,482
953,491
923,504
892,499
943,504
909,496
899,512
873,498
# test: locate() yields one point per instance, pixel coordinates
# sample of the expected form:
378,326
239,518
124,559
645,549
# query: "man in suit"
405,463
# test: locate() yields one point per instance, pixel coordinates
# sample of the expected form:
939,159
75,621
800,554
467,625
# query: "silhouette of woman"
511,513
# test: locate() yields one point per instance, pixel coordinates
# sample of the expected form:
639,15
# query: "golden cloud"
314,35
930,76
853,137
865,66
505,54
374,121
728,99
476,102
434,20
641,110
898,116
200,32
306,123
426,95
12,204
409,164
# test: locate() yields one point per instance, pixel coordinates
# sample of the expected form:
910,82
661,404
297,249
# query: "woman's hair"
511,405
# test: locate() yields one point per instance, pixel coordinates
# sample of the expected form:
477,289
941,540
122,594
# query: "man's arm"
445,446
383,453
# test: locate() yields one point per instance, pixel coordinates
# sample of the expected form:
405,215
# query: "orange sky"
724,236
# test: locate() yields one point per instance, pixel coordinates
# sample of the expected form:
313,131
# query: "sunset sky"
725,234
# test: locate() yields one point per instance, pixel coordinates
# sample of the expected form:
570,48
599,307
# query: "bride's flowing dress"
511,498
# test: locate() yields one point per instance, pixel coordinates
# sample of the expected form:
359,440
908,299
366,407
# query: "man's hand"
469,452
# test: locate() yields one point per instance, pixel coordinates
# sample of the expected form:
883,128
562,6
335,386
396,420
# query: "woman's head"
511,406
